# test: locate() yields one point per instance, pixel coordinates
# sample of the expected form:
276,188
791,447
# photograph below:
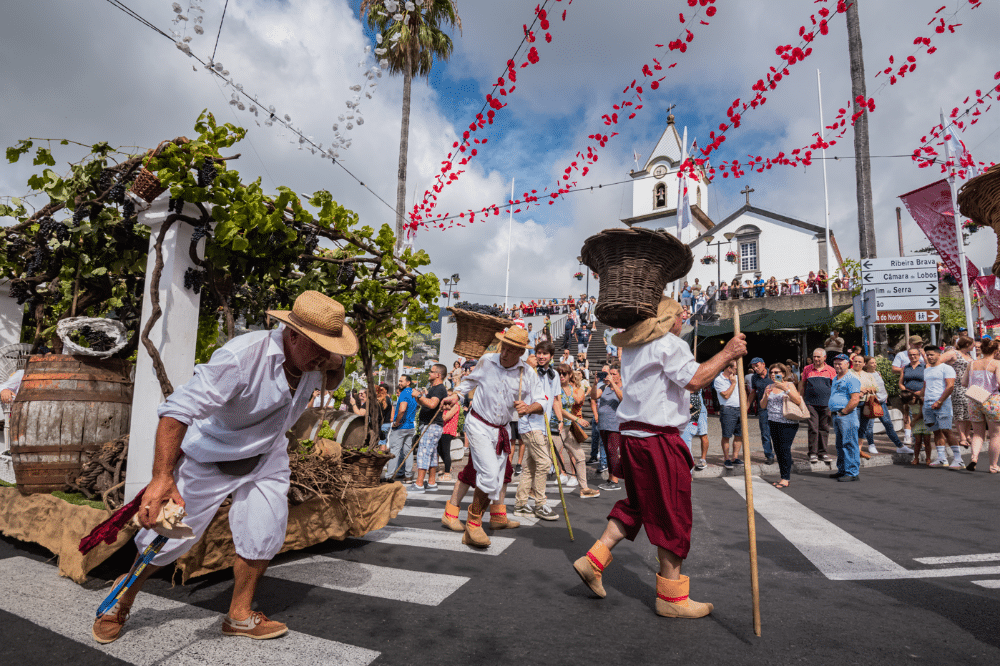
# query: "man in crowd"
402,433
610,350
833,345
845,395
431,425
710,292
814,387
759,381
582,339
222,434
939,382
899,363
698,427
658,371
532,340
584,311
727,388
535,439
571,326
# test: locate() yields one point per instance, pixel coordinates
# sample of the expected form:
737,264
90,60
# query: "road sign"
864,309
907,317
907,303
891,263
905,289
897,275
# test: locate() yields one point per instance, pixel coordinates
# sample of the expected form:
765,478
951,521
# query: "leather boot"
474,534
499,520
672,599
591,567
450,518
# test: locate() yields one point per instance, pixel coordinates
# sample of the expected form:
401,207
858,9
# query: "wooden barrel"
350,427
66,405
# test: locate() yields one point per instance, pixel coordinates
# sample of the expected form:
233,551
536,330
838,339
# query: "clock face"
660,171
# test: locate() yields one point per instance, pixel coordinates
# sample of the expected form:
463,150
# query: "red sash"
646,427
503,441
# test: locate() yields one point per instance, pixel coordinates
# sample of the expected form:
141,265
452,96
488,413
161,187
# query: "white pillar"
175,335
11,316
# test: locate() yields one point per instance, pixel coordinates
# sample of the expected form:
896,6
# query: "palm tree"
412,45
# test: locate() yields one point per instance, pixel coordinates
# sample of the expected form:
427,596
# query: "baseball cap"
841,357
755,360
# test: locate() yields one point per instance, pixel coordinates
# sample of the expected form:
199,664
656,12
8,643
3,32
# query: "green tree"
410,47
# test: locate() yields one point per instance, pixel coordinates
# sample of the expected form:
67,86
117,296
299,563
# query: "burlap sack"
58,526
361,511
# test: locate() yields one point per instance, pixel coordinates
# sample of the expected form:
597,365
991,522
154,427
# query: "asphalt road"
841,582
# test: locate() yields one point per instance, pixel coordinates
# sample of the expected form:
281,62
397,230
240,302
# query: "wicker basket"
365,468
147,186
634,266
979,200
476,332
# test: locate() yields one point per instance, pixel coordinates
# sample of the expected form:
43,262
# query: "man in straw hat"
506,389
223,433
658,370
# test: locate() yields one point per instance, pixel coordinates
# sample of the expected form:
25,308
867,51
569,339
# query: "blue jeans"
848,453
384,436
867,426
400,443
595,440
765,432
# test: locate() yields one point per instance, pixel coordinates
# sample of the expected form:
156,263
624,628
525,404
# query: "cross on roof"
747,190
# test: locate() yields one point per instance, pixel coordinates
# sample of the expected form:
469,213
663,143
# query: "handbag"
977,394
793,412
578,434
873,408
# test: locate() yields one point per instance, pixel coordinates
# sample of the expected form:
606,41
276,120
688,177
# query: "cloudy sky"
85,70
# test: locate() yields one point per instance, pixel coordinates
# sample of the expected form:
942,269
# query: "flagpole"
826,201
966,297
510,233
680,199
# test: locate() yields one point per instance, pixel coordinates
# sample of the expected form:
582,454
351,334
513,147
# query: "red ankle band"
673,600
596,562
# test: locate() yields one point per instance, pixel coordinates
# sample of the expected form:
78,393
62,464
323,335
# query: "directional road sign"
907,317
905,289
877,264
907,303
899,275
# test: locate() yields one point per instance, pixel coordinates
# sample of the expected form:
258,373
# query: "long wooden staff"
562,497
416,442
751,527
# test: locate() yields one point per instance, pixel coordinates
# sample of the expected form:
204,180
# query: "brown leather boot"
474,534
499,520
672,599
108,627
591,567
450,518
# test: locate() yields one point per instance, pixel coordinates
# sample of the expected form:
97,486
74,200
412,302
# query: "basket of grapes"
477,328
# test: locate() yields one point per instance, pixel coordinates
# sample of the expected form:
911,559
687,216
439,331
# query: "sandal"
994,469
779,485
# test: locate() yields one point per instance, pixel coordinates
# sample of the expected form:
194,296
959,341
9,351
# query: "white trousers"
489,466
258,516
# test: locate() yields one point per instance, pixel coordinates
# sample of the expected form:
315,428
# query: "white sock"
956,452
907,434
942,456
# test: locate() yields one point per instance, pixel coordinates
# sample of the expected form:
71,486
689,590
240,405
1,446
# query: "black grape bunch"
16,244
207,172
20,291
346,275
480,309
47,228
175,206
200,231
310,240
98,340
194,279
105,182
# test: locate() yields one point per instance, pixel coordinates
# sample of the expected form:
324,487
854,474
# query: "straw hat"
321,319
650,329
515,336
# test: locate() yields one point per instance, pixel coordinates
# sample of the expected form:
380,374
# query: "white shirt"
552,389
239,404
13,383
722,384
653,378
934,381
497,388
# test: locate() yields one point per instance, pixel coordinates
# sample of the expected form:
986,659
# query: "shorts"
989,411
611,350
938,419
698,426
514,434
730,420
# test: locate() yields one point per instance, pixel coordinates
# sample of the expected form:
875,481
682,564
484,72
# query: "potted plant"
708,259
731,257
578,275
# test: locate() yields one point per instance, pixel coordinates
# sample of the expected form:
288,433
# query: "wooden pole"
751,527
562,497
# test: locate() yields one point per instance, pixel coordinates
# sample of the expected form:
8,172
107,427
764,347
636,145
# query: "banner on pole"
932,209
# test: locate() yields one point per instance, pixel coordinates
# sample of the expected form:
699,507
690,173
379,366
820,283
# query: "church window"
660,196
699,198
748,256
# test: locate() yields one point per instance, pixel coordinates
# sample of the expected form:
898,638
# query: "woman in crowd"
959,358
735,290
450,432
782,430
869,389
357,402
811,283
724,291
821,281
581,366
984,373
608,393
882,395
772,286
748,289
912,378
456,374
383,405
572,397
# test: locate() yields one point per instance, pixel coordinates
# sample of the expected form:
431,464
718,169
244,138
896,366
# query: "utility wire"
219,34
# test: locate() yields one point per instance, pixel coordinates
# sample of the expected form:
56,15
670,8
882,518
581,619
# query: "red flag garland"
925,155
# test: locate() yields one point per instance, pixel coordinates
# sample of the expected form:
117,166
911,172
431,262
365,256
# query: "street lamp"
729,236
579,260
450,282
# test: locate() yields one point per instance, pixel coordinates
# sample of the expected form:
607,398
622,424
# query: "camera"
602,375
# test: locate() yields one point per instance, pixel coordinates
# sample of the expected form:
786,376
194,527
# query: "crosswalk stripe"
414,587
989,584
439,540
159,630
443,494
959,559
431,512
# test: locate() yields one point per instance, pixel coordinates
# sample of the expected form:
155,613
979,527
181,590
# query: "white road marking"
990,584
414,587
443,495
440,540
159,630
959,559
431,512
837,554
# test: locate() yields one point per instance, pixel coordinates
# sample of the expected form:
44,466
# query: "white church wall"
11,315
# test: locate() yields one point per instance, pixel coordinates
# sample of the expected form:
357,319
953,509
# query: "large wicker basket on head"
634,266
979,200
476,332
